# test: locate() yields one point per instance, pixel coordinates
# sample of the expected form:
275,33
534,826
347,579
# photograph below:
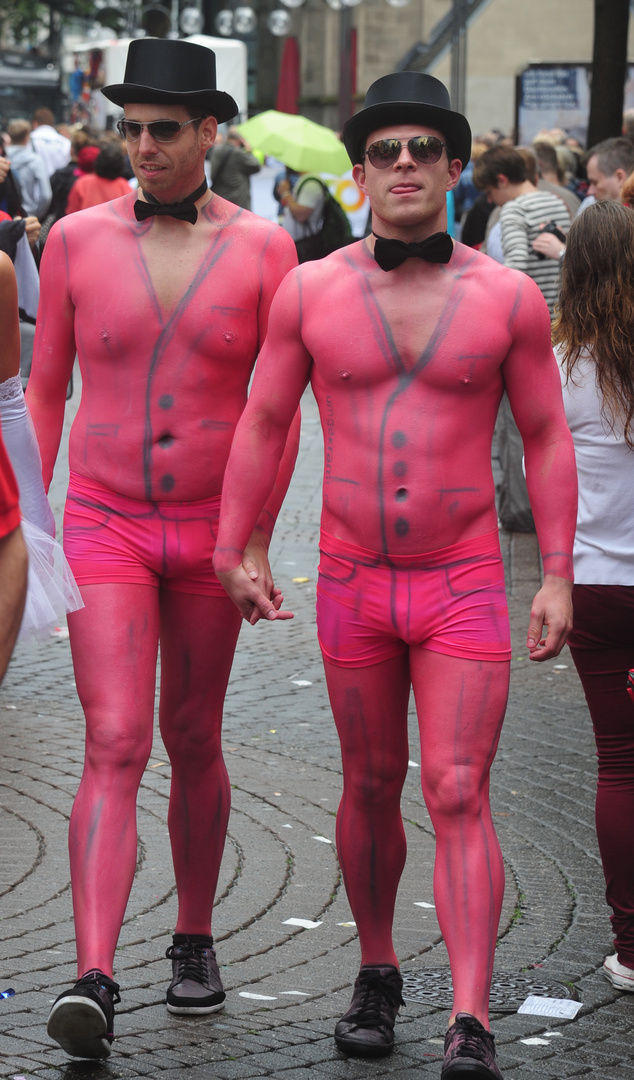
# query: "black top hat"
407,97
170,72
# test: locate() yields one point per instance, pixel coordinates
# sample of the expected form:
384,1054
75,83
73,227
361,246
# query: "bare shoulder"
336,267
7,273
256,231
500,282
83,223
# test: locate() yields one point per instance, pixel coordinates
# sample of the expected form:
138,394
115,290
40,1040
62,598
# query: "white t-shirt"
311,194
604,540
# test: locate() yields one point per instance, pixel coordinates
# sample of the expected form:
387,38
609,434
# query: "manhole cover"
508,991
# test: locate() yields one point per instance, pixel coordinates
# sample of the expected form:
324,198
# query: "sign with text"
558,96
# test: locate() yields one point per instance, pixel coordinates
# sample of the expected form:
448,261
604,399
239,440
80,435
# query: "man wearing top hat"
166,300
422,337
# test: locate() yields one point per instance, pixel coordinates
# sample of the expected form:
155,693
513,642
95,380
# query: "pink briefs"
372,607
111,538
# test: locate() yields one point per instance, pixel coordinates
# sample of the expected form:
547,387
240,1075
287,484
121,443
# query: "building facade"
502,38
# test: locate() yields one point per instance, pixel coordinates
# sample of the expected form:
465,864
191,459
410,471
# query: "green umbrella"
297,142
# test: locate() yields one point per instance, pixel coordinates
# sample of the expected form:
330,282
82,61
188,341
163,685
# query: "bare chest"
187,310
172,263
433,336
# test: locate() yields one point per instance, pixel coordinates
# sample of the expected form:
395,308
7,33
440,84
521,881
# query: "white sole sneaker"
620,976
79,1026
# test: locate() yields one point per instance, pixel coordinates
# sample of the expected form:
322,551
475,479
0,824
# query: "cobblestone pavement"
280,863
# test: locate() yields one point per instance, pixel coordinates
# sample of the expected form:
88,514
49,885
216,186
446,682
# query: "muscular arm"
534,389
254,477
275,266
53,352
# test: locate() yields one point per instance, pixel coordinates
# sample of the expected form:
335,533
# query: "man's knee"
461,790
377,787
193,736
113,748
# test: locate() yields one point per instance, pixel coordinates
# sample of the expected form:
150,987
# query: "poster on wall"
557,96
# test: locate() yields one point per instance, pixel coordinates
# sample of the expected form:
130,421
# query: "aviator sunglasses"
160,130
424,148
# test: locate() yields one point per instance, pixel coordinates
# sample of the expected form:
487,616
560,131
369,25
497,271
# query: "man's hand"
552,608
5,166
255,561
549,245
250,585
250,600
33,230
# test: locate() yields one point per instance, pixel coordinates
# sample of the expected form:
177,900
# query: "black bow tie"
391,253
184,211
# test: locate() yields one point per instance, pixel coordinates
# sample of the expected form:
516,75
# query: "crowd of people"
167,296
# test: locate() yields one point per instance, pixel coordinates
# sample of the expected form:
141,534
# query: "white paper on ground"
346,924
301,682
256,997
413,764
535,1042
542,1006
293,993
421,903
307,924
322,839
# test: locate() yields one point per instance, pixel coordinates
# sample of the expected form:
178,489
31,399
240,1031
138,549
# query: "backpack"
334,232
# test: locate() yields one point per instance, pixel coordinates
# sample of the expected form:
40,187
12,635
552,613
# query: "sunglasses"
160,130
424,148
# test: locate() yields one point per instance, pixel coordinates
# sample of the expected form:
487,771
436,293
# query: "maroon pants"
602,647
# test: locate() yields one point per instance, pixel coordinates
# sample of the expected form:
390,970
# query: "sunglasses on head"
160,130
424,148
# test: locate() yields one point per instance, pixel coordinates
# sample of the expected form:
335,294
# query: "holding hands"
250,583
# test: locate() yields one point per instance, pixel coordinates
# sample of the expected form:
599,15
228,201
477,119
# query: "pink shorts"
372,607
111,538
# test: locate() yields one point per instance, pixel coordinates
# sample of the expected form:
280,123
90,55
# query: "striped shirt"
521,220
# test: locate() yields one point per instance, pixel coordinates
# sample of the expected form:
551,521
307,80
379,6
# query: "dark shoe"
196,987
367,1029
469,1051
81,1019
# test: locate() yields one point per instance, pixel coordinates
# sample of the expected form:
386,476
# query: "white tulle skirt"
52,590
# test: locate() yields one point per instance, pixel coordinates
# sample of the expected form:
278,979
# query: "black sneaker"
469,1051
196,987
367,1029
81,1019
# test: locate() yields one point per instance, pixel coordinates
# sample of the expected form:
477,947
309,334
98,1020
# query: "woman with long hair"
594,338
